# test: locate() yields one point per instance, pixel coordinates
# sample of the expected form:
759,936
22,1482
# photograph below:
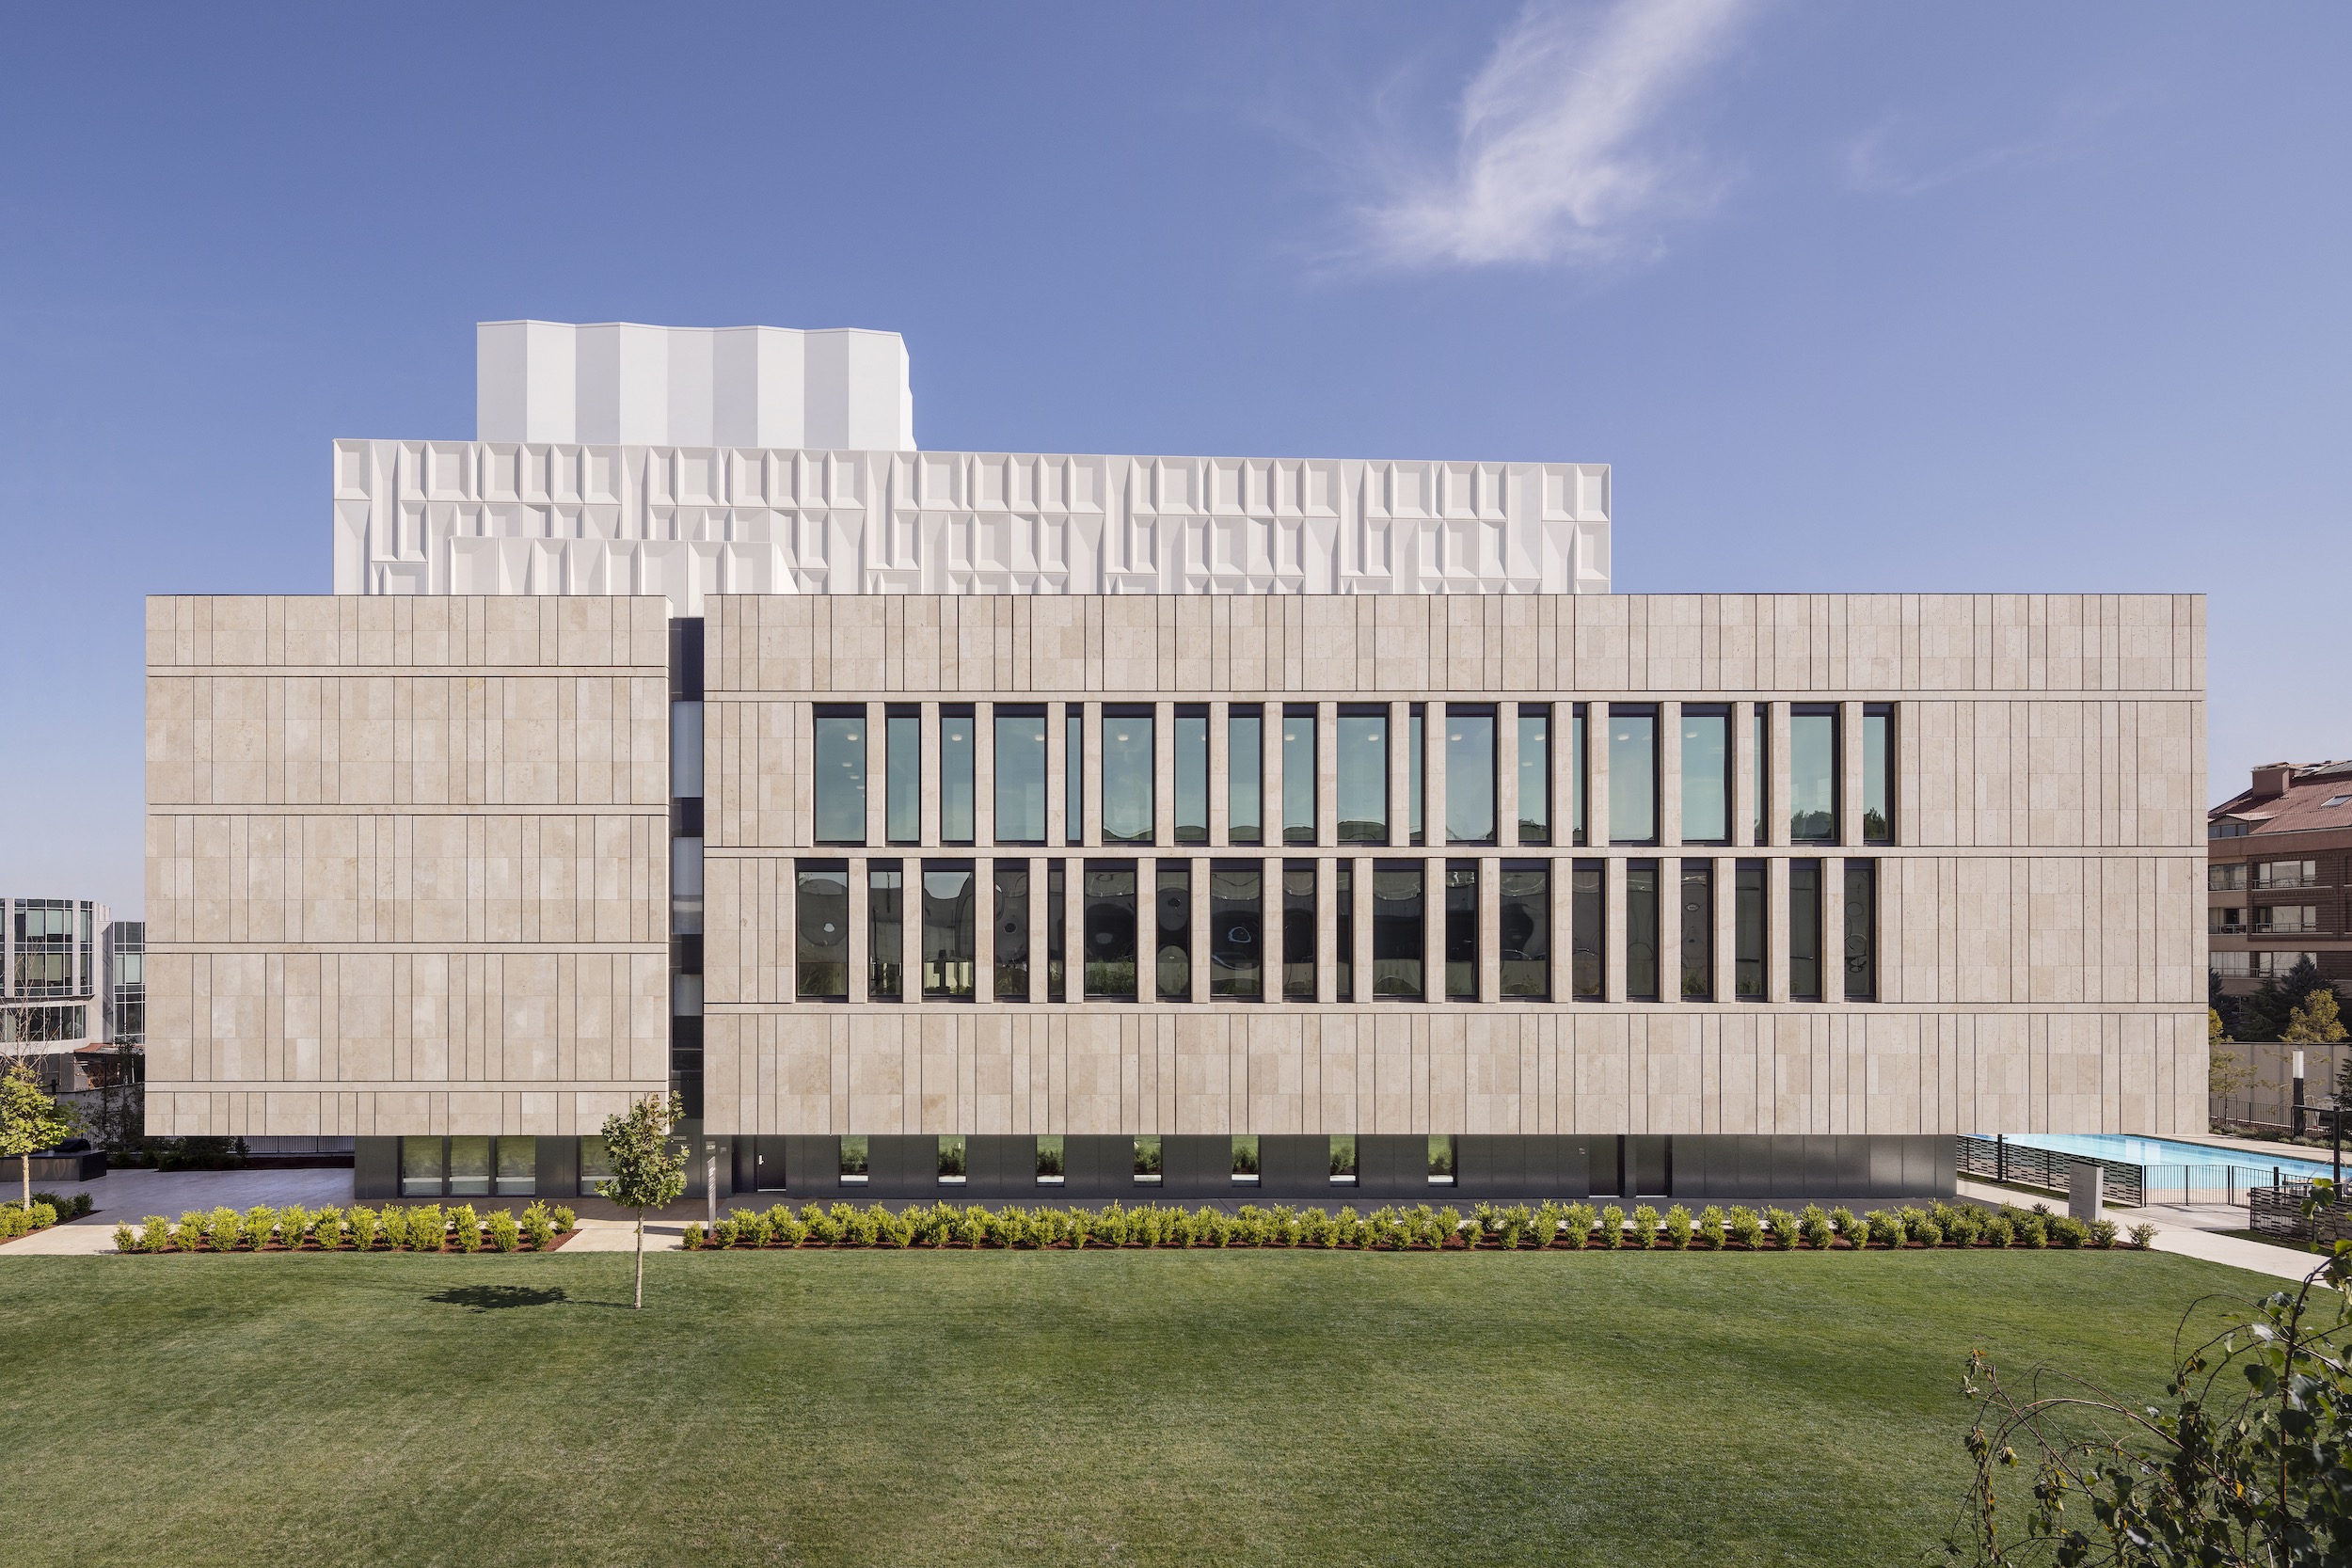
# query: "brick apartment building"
2278,872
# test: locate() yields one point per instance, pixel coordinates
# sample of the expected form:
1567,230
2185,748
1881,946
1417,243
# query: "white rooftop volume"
619,384
683,462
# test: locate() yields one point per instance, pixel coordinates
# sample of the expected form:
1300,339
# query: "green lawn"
917,1408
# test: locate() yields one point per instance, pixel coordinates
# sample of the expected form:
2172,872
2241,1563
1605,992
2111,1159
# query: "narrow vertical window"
1697,914
840,775
821,921
1442,1163
1862,930
1762,763
1469,773
1641,929
1632,774
1192,775
1748,927
686,886
1109,896
1523,930
1706,775
1299,773
1127,781
950,934
1011,913
1244,774
902,804
1298,930
1588,947
885,931
1804,930
1461,926
1535,773
1580,770
1878,785
1813,774
953,1157
1056,937
1364,774
1074,773
1020,774
1171,903
856,1161
1237,912
468,1167
1397,918
1148,1166
1052,1160
1242,1156
1344,1159
1343,896
686,750
1416,773
957,757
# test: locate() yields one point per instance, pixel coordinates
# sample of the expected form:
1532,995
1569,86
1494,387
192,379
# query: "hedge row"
426,1228
1565,1226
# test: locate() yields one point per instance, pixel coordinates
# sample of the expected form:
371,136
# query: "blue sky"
1853,296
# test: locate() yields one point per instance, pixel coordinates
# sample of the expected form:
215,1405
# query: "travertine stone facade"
2038,950
407,864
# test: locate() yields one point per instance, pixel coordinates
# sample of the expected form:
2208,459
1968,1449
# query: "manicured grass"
912,1408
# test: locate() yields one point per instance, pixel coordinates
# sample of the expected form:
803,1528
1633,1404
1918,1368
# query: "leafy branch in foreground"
2246,1466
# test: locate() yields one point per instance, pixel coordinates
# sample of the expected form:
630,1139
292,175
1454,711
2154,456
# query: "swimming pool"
2164,1151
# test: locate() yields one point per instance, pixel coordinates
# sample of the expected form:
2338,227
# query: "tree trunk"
25,1165
641,1259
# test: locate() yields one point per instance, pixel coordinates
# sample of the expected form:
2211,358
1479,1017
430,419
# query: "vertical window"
1706,775
686,750
1523,930
1172,904
1748,926
1148,1167
1416,773
957,754
954,1160
1469,773
1364,774
1804,930
1344,1159
950,945
1127,802
885,931
1878,790
1641,930
1343,897
1052,1163
821,924
1298,930
1441,1160
1461,928
1761,760
1299,773
1862,930
1012,914
1109,894
1073,775
1244,1157
1588,948
902,807
840,775
1020,775
1813,774
1535,773
1580,771
517,1167
855,1162
1056,939
686,886
1397,948
470,1167
421,1164
1244,774
1236,911
1192,775
1698,931
594,1164
1632,774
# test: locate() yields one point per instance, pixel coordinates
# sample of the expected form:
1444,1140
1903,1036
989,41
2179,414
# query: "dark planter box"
86,1167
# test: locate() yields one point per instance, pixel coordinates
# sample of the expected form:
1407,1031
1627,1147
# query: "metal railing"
2127,1184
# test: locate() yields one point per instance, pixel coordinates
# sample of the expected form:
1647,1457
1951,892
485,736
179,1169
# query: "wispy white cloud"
1561,152
1900,155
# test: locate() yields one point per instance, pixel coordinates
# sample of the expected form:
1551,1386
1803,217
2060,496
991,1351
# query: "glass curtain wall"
1698,931
1813,774
1641,930
821,926
1535,773
1019,739
1748,927
950,935
1011,915
958,752
1192,775
1244,774
1632,773
902,802
1364,774
840,775
1299,773
1804,930
1237,912
885,930
1298,930
1172,906
1109,897
1878,785
1469,773
1461,926
1127,780
1397,949
1523,929
1706,775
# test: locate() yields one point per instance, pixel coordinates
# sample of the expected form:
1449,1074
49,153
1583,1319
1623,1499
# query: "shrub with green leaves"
1747,1228
1613,1227
505,1234
1961,1223
1925,1231
1711,1235
1813,1228
224,1230
537,1228
291,1221
154,1233
326,1228
566,1221
1576,1232
691,1237
1782,1227
261,1223
2143,1237
465,1227
1883,1227
2103,1234
363,1229
1678,1229
1996,1231
428,1228
194,1230
2031,1229
2068,1231
1849,1228
1349,1228
1644,1225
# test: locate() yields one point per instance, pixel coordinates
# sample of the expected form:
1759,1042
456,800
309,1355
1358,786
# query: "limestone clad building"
1012,825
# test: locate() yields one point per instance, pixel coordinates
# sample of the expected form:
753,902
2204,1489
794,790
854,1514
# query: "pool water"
2165,1151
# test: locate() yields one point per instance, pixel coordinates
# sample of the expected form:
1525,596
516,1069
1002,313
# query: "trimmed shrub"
291,1221
691,1237
537,1228
1578,1230
505,1234
2068,1231
1784,1227
1350,1228
326,1228
1747,1228
67,1208
1925,1231
261,1223
428,1228
752,1227
224,1227
1646,1225
1813,1228
1849,1226
1884,1226
363,1229
786,1226
192,1231
1613,1227
566,1221
465,1227
1712,1229
1961,1223
1678,1228
126,1240
1996,1231
2031,1229
2103,1233
2143,1237
154,1233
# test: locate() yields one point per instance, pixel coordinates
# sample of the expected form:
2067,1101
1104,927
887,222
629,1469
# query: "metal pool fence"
2127,1184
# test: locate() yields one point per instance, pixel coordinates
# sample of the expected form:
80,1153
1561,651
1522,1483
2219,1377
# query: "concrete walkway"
2192,1231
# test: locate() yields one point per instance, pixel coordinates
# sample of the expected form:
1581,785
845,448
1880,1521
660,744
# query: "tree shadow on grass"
493,1298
